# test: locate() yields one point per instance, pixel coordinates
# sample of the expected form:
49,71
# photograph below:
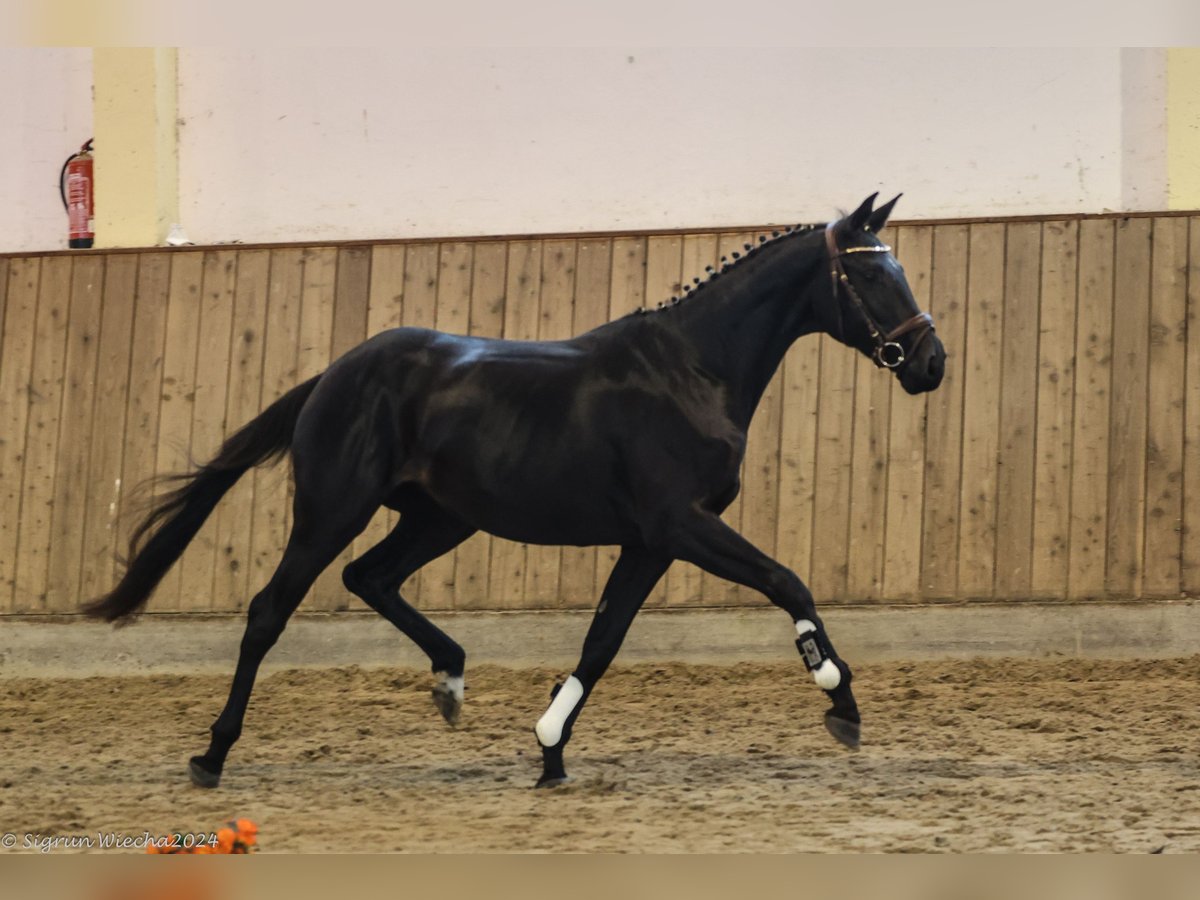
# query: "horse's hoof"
844,731
202,777
447,702
550,781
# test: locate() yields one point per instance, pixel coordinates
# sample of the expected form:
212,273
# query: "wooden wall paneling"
683,581
234,515
472,575
944,416
906,442
1190,574
981,405
139,462
271,515
664,281
1055,410
76,426
1093,381
108,441
831,495
1127,423
1018,411
453,316
213,343
1163,548
627,292
45,385
521,313
20,290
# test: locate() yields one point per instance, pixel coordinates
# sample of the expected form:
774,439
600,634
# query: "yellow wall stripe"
1183,128
137,156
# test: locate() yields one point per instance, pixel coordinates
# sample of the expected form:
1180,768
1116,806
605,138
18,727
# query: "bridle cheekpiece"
888,352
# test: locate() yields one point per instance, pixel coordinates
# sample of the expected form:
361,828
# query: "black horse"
631,434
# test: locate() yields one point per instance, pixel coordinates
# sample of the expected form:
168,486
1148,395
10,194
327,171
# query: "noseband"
888,353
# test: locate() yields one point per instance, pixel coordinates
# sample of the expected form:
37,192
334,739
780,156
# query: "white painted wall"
315,144
46,111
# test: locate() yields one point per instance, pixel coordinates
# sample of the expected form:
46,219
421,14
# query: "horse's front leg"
632,579
706,541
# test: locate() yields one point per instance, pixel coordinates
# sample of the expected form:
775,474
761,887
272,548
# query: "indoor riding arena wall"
1060,460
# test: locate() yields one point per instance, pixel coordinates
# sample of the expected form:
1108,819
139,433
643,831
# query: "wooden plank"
352,299
799,418
627,292
234,516
279,375
1190,574
593,272
906,442
684,580
981,405
71,486
867,508
523,287
108,443
473,563
1163,554
664,282
16,361
714,590
213,343
1127,424
44,431
1055,410
944,416
1093,378
140,456
455,272
385,306
831,495
1018,413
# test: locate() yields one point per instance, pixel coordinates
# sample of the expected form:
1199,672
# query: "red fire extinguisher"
75,187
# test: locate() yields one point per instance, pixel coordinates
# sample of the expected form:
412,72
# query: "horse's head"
871,306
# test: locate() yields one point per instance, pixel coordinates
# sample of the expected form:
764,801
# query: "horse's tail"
175,518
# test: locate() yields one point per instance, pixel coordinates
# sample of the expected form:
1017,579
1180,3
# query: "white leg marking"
550,725
826,675
452,683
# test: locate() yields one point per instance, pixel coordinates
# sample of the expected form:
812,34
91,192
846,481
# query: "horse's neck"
744,322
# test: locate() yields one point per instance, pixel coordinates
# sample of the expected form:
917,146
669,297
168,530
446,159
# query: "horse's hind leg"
313,544
423,534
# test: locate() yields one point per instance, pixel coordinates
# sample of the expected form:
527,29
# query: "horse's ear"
880,216
859,217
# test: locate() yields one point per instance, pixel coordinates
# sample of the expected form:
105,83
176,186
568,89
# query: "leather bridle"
888,352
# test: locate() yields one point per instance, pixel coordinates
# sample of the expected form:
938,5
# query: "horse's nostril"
935,367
